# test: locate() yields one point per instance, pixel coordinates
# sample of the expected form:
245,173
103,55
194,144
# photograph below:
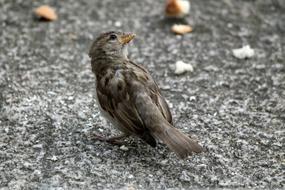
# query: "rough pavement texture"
236,108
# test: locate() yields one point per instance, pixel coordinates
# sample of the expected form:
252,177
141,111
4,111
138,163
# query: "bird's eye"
113,37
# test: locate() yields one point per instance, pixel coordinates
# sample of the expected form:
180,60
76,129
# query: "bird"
130,99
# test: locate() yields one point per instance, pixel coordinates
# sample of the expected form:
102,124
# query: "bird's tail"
176,141
161,129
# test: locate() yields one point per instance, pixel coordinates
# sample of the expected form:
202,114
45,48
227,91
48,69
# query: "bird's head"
111,44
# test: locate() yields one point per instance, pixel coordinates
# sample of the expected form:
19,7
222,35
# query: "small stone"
131,176
163,162
53,158
184,176
82,115
124,148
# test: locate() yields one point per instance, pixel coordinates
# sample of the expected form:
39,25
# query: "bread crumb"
46,12
244,52
182,67
181,29
177,8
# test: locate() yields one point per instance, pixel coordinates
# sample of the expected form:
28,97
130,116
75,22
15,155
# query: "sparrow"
130,99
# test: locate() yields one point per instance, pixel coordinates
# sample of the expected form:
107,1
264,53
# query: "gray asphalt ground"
236,108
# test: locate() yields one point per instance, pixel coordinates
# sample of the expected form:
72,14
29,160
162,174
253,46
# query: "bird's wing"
117,104
115,99
154,91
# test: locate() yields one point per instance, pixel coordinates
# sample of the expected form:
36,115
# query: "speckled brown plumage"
130,98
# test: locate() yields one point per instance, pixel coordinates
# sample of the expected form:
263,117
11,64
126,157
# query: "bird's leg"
112,140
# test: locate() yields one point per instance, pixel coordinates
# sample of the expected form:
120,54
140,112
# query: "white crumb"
244,52
131,176
192,98
118,24
182,67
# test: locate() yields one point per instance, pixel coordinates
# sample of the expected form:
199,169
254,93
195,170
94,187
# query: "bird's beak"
126,38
